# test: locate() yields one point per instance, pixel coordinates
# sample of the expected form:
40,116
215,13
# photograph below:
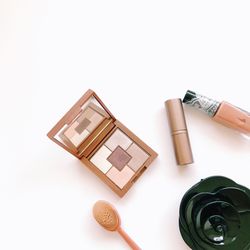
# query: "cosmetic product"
224,112
91,133
215,214
107,216
178,127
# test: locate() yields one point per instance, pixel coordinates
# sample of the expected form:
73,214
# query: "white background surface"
135,55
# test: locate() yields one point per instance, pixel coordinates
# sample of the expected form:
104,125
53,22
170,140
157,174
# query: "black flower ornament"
215,214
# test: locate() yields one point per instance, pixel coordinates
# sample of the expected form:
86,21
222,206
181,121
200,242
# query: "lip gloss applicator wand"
221,112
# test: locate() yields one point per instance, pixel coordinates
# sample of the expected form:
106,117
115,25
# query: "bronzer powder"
119,152
91,133
119,158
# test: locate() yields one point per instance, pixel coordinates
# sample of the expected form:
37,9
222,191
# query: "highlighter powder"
138,157
120,178
118,139
91,133
100,159
120,158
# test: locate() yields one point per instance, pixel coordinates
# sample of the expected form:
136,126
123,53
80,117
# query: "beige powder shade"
120,178
93,148
120,164
119,158
118,138
138,157
100,159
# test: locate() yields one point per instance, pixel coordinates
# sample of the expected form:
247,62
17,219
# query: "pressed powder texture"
120,178
138,157
123,155
90,132
100,159
118,139
119,158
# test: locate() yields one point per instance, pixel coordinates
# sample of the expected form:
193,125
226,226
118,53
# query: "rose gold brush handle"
125,236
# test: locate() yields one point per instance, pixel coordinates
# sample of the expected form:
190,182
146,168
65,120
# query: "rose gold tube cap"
177,123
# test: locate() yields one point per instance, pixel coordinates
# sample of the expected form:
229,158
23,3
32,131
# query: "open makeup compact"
91,133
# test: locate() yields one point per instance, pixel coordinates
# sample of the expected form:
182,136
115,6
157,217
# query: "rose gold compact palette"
91,133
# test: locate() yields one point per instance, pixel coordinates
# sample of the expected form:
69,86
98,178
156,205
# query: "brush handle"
125,236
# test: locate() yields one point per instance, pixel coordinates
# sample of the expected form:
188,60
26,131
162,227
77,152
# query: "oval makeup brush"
107,216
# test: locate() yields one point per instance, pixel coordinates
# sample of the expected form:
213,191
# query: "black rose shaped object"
215,214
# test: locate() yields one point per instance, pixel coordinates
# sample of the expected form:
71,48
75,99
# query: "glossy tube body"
224,112
233,117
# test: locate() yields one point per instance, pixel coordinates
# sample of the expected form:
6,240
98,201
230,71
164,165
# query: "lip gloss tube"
222,112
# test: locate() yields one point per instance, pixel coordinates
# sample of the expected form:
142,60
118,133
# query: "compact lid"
83,119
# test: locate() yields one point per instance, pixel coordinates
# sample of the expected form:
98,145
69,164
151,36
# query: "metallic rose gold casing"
177,123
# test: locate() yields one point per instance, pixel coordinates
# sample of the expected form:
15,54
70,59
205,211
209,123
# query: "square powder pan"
152,155
85,157
70,116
